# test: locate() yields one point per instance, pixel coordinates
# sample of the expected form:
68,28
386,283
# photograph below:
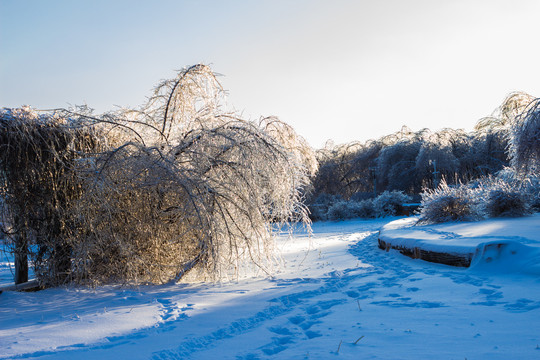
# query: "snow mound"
496,245
507,256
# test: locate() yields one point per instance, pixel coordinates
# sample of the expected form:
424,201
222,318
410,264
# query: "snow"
344,298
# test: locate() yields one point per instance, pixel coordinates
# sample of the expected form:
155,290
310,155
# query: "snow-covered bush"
506,203
343,210
532,191
507,194
527,185
319,207
390,203
535,200
511,193
365,209
450,203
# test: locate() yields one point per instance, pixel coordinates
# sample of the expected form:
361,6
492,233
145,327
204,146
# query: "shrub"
365,209
527,185
532,191
319,207
390,203
511,193
342,210
506,203
507,194
449,203
535,201
386,204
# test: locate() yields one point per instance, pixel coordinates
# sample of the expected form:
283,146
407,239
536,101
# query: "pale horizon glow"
340,70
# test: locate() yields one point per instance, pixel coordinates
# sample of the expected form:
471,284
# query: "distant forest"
412,162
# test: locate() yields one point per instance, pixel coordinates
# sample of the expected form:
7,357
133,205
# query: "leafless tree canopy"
525,140
151,194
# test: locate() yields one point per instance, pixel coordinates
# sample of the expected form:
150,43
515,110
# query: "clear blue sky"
341,70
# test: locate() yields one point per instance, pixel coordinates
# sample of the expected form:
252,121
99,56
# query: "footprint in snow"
412,289
313,334
404,302
170,313
523,305
304,322
280,330
248,357
306,325
491,294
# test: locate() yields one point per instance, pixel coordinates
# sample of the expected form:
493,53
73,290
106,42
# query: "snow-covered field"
345,298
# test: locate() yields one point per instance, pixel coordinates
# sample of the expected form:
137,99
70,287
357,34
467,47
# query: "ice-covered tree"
524,140
396,170
152,194
436,159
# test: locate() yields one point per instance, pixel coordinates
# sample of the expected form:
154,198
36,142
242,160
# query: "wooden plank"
460,260
32,285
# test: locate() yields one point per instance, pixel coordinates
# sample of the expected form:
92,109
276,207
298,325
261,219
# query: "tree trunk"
21,259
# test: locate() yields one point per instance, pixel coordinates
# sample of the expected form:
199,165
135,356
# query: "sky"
340,70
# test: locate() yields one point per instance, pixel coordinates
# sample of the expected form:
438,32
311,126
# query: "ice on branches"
148,195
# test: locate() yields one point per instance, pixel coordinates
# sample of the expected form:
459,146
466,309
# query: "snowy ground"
344,299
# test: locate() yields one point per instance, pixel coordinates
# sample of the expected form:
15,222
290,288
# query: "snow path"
345,290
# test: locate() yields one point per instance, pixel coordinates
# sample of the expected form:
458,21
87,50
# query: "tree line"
409,163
